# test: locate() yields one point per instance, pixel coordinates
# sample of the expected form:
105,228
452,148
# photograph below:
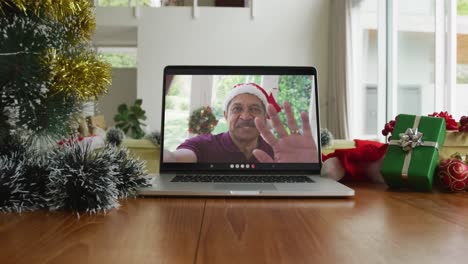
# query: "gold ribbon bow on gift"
409,141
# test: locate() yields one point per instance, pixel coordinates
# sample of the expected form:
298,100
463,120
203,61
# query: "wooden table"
376,226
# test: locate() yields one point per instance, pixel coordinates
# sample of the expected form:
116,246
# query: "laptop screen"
240,119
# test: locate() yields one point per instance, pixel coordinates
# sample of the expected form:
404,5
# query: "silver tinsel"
81,180
130,173
12,184
326,137
114,136
155,137
71,177
21,183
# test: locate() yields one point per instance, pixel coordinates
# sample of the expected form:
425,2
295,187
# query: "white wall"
122,90
286,33
115,17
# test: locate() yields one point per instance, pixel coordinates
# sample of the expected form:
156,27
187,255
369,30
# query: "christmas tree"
48,69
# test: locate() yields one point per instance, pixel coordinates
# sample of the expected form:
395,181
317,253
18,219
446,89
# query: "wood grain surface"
141,231
376,226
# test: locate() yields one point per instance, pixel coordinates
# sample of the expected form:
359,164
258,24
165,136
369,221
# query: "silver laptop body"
187,88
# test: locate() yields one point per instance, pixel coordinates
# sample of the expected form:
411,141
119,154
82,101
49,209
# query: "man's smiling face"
240,115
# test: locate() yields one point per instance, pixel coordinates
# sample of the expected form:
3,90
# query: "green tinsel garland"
72,177
130,173
155,137
22,182
47,70
81,179
115,136
326,137
12,183
44,50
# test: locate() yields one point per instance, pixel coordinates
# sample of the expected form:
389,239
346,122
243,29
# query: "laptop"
218,137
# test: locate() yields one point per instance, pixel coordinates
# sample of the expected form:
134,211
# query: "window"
116,3
119,57
368,82
178,111
159,3
422,60
113,3
219,3
461,90
414,57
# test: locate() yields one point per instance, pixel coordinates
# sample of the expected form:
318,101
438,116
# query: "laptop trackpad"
245,187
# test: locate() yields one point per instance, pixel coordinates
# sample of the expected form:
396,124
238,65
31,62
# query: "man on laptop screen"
249,110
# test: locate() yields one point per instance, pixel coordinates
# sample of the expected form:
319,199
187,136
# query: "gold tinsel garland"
78,14
81,75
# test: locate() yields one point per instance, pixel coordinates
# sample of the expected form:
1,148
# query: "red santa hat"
254,89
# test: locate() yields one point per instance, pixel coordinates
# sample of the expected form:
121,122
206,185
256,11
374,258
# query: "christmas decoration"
411,160
72,140
76,13
47,66
96,125
202,121
326,137
455,141
453,175
361,163
48,71
450,123
95,142
388,128
12,184
75,176
36,172
155,137
55,117
459,156
114,136
22,182
253,89
81,179
11,145
78,73
4,131
463,124
130,173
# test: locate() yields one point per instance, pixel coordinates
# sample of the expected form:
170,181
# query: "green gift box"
412,155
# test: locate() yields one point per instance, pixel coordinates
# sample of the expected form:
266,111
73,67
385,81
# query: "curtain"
339,68
168,83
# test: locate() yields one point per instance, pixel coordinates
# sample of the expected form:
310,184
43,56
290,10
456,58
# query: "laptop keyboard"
242,179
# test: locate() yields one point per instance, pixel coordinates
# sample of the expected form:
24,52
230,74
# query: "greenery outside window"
128,3
462,42
460,92
462,7
119,57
